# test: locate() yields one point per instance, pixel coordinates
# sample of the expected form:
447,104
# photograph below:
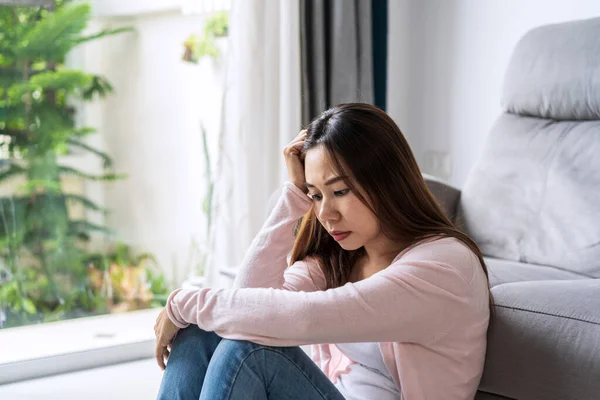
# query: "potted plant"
126,281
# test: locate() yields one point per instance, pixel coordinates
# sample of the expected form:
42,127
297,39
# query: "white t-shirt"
368,377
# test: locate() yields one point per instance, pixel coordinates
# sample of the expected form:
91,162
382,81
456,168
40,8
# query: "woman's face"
342,214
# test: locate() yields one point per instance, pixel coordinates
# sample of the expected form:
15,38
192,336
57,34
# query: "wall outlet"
438,163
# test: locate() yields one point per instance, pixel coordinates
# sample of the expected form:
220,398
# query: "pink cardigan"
428,309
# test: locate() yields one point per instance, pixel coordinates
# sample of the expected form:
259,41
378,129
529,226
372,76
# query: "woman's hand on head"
165,332
294,161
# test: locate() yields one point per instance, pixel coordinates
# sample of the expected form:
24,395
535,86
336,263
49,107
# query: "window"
107,119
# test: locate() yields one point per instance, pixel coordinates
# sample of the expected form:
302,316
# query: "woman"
396,297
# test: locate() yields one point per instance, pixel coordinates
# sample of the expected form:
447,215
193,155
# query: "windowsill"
46,349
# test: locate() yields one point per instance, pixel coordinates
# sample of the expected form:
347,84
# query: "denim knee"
192,335
232,352
228,346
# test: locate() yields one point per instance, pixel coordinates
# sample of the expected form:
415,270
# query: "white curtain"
261,114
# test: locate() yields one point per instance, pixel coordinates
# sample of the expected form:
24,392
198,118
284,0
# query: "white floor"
129,381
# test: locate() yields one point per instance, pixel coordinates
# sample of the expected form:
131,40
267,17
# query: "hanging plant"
198,47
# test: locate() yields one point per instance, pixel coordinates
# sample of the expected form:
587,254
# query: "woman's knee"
230,353
233,356
229,347
193,335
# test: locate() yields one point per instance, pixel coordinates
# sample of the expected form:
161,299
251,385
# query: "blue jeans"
204,366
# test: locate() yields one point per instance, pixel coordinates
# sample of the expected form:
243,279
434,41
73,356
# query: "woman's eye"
337,193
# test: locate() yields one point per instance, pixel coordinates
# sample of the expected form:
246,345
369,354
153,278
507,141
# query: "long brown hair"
365,143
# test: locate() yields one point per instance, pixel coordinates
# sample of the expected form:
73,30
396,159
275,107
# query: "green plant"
207,205
42,248
198,47
125,280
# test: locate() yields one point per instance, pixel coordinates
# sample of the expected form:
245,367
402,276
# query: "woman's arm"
266,259
416,299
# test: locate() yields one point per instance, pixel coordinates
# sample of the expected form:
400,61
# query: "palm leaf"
53,36
84,202
52,128
9,74
39,186
81,132
105,177
102,34
106,160
11,114
78,227
65,79
12,171
99,86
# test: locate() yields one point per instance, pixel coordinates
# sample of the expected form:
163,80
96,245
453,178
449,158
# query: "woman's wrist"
173,311
298,191
301,186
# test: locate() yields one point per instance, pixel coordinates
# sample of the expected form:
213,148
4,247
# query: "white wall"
456,59
150,125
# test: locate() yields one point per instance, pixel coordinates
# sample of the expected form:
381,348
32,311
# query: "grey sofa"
532,203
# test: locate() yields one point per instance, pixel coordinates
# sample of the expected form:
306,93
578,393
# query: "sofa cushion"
544,341
533,196
554,72
503,271
446,195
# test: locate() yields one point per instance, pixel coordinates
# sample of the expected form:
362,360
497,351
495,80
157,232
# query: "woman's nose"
328,211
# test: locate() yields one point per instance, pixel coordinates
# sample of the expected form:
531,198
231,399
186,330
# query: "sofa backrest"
534,195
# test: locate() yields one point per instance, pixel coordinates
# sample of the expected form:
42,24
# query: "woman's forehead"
319,166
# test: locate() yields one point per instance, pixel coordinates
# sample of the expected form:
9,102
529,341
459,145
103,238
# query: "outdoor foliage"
45,271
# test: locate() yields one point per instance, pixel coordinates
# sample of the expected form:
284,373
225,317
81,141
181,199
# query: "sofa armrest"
446,195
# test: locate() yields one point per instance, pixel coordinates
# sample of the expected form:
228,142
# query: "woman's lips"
339,236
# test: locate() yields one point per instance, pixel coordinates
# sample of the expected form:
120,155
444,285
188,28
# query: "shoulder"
439,248
445,253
